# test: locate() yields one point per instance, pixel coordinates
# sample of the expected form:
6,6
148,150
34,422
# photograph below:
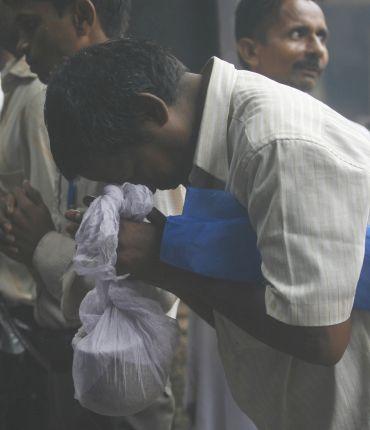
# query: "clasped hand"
24,220
138,243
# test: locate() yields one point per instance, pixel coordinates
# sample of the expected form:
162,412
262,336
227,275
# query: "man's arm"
32,239
244,305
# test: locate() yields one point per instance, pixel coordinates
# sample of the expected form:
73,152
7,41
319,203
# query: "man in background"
48,32
284,40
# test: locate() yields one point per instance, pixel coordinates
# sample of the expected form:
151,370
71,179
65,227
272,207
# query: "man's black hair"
113,15
89,98
254,17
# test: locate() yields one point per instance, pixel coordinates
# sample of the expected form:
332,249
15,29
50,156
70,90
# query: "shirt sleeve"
38,160
310,210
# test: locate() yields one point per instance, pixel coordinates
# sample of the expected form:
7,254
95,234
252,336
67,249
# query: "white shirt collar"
211,151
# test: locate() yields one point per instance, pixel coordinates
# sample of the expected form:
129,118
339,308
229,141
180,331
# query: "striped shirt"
302,171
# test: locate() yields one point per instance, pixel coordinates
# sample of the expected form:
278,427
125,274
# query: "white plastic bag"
124,349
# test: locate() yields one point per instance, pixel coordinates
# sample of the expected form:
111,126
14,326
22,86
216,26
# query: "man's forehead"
301,11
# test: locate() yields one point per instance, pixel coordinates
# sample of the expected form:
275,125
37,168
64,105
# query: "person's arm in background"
52,256
51,253
34,215
32,212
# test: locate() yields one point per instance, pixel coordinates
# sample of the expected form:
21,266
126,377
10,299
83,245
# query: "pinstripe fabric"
303,173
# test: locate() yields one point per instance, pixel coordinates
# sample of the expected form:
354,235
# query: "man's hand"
138,248
74,217
30,220
138,243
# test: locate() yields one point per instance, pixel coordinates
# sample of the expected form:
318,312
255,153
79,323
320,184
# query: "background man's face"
295,51
46,37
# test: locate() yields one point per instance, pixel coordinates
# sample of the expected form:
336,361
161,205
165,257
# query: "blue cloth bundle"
213,237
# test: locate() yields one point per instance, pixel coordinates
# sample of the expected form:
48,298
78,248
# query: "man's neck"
190,106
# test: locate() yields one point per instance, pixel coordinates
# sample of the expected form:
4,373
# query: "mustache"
312,64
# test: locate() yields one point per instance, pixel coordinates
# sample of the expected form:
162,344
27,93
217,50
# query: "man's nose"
315,46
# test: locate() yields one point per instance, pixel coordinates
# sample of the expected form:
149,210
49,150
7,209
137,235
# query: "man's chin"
308,79
304,83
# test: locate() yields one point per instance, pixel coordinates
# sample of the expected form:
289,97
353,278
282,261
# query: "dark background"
188,27
346,81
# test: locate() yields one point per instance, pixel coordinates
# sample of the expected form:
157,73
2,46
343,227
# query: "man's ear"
148,107
248,52
84,16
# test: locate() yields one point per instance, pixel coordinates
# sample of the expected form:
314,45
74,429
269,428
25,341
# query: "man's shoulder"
269,112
